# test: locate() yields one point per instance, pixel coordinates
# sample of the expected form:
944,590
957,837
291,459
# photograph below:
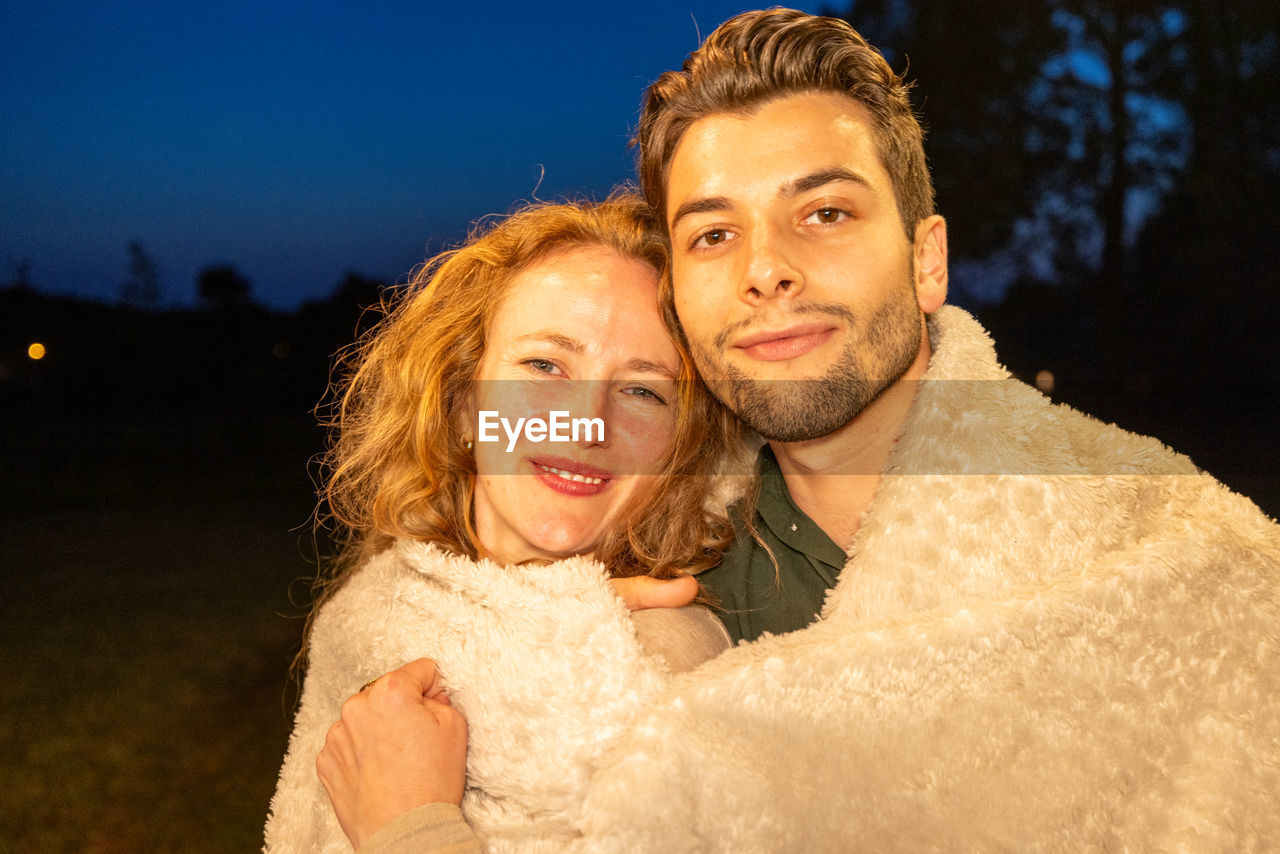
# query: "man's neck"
834,477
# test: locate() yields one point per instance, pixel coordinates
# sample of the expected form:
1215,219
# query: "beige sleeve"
428,829
684,637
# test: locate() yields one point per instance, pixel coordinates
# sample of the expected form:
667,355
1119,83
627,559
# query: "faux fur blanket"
542,660
1051,635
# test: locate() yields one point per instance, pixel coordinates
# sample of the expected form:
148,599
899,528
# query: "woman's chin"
564,542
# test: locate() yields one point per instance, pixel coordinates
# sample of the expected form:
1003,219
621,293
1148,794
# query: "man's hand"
641,591
398,745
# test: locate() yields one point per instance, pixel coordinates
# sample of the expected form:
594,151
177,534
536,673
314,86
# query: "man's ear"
930,253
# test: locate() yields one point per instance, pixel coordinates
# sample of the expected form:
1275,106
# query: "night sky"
299,141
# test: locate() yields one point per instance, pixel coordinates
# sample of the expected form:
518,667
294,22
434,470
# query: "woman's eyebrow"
644,366
573,345
559,339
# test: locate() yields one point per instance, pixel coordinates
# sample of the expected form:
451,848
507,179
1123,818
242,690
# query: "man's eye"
713,237
826,216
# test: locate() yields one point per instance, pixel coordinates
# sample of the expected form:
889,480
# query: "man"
1036,631
806,253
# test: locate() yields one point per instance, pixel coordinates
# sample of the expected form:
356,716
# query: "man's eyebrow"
557,338
710,204
814,180
644,366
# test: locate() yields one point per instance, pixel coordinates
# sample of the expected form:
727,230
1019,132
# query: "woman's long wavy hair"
396,464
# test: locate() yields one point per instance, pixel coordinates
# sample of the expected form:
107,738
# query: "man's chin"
787,438
799,410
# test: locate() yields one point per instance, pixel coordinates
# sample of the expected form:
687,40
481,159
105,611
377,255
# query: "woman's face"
579,334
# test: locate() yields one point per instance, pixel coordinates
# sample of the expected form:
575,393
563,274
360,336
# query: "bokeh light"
36,351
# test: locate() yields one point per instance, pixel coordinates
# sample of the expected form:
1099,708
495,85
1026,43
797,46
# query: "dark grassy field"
147,633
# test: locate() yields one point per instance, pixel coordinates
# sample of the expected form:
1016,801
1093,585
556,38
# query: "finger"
336,754
422,676
446,716
643,592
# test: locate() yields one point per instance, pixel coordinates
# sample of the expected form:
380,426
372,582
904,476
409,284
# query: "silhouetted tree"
1112,79
356,292
320,328
1057,128
142,287
222,287
976,70
1206,264
20,275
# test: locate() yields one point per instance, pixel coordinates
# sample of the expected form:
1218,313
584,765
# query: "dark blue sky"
297,141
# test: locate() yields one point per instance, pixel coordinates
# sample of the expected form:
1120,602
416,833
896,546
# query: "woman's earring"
467,443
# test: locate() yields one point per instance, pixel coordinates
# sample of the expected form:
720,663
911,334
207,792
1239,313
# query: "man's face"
794,279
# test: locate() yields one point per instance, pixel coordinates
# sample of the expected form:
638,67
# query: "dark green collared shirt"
752,598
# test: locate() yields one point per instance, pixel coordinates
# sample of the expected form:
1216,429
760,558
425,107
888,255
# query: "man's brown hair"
758,56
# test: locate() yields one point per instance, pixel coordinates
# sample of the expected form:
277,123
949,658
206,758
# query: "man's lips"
775,345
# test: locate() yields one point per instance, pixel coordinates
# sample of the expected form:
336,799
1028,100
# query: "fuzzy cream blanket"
1051,635
542,660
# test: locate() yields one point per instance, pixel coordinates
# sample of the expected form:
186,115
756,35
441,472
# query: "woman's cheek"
641,440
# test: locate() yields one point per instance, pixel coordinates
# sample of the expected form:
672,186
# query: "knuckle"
454,719
350,705
393,683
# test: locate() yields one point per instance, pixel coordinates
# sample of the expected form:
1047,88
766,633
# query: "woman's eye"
542,366
644,393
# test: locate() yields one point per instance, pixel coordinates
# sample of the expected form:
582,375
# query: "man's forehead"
777,147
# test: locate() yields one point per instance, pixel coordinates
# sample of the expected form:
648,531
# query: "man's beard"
797,410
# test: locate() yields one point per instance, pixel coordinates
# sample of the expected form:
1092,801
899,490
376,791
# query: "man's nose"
771,267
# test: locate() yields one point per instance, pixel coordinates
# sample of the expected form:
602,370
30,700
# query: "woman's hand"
641,592
398,745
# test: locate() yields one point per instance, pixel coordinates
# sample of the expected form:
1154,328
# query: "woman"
474,538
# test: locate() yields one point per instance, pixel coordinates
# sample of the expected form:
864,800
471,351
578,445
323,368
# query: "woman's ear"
464,422
930,256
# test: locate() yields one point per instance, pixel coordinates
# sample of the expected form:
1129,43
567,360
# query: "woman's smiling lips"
570,477
787,343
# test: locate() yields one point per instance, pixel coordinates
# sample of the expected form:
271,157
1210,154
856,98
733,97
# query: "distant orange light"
1045,381
36,351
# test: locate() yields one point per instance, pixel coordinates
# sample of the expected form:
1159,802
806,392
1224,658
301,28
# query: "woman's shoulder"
371,577
386,577
383,605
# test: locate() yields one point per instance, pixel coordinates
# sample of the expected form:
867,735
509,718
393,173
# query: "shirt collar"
789,523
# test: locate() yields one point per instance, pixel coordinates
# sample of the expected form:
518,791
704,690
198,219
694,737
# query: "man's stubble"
797,410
